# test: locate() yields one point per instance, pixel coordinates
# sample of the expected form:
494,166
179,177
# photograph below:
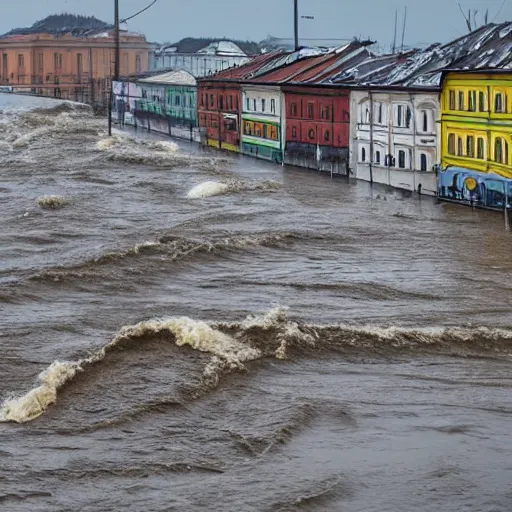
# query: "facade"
394,138
219,115
317,128
203,57
166,103
261,122
476,151
67,63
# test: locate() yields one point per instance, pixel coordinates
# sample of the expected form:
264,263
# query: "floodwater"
185,330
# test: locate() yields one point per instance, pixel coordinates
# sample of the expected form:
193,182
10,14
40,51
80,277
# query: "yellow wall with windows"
476,122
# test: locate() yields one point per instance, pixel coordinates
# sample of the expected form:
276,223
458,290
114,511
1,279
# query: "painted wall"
165,108
219,115
261,122
317,128
476,163
394,138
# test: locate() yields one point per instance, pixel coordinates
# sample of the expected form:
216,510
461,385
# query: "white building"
262,130
394,138
201,57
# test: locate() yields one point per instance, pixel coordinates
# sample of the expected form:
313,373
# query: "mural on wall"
475,188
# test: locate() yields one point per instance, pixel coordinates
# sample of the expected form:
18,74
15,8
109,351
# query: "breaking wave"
233,345
216,188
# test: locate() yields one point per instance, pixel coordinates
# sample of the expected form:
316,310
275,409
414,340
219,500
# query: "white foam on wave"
208,189
226,351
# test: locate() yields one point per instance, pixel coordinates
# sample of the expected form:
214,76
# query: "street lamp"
296,23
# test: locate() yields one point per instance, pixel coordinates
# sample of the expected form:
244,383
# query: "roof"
59,24
288,44
487,47
317,68
220,46
175,77
245,71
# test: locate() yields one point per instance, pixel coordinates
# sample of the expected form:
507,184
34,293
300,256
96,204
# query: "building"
165,103
68,56
476,155
204,57
220,103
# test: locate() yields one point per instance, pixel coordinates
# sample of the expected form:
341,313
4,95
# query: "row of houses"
435,121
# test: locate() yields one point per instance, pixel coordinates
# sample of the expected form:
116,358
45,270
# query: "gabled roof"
248,70
487,47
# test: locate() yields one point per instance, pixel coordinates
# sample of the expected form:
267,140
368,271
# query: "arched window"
425,121
423,162
327,136
501,150
311,134
498,102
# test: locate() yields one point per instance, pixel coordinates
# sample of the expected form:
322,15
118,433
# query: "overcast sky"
170,20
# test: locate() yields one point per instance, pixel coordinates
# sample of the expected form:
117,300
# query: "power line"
140,12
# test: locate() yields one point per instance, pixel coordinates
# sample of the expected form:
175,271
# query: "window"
399,115
212,100
480,151
40,63
461,101
311,110
265,130
451,144
21,60
498,103
230,102
460,147
379,114
425,120
138,64
255,105
423,162
325,113
470,146
453,105
472,101
294,131
293,109
273,106
501,151
401,159
57,60
248,104
177,100
482,104
327,136
311,134
363,154
79,65
377,157
263,105
221,102
408,117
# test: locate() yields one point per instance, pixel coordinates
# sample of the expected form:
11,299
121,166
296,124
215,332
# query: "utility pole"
296,23
117,59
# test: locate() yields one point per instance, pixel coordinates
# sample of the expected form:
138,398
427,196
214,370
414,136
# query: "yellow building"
476,137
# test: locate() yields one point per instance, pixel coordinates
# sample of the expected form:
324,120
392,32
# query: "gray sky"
170,20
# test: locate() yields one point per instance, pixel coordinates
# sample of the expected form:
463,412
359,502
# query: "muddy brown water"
294,343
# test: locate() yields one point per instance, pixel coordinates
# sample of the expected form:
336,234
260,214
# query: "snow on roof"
177,77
